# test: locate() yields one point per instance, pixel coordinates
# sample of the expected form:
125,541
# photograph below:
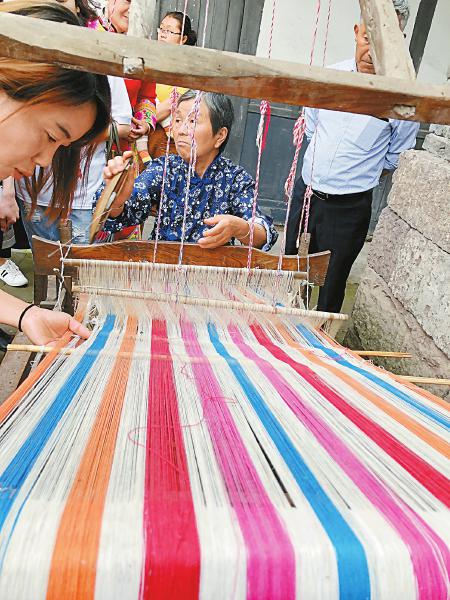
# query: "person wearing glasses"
175,28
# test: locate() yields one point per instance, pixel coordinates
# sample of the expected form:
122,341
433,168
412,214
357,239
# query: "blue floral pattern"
224,189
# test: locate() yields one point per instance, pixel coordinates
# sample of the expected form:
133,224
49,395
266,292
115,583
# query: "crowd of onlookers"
65,133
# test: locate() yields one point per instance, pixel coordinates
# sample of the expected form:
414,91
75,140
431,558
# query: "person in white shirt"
81,211
346,156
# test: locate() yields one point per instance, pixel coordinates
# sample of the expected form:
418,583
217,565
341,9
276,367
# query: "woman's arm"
133,204
225,227
163,110
9,211
43,327
240,202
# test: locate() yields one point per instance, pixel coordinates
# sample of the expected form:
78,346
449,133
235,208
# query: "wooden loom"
260,463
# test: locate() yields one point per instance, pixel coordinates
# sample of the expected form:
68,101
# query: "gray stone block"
421,195
387,240
381,322
420,280
437,145
442,130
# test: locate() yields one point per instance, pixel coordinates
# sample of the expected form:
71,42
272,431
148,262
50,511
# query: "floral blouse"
225,188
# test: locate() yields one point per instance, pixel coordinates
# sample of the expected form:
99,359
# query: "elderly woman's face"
208,144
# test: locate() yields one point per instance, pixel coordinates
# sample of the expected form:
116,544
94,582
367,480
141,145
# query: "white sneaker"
12,275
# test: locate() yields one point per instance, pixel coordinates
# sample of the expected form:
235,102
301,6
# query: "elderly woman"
220,199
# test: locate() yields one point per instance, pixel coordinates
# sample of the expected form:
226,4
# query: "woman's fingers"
116,165
79,329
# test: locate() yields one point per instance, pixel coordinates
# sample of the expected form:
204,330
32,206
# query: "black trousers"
337,223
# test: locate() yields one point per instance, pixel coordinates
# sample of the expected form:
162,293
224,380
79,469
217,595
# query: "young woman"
54,113
81,208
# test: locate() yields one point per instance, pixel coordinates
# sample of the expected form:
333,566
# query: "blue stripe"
19,468
354,582
399,393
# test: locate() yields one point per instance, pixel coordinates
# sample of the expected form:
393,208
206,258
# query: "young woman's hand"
46,327
9,211
141,127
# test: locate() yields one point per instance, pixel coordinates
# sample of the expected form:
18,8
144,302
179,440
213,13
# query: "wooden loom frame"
393,92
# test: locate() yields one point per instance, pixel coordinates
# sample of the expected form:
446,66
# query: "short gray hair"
221,112
402,9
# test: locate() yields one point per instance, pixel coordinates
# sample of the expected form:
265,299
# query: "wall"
294,24
403,300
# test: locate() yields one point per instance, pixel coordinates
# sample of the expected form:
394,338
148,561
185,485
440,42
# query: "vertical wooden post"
387,46
142,15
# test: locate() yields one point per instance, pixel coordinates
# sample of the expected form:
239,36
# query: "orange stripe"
10,403
424,434
73,568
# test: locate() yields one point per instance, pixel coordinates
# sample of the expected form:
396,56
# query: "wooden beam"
141,18
47,255
387,45
212,70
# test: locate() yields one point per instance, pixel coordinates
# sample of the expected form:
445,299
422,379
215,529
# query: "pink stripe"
270,556
429,554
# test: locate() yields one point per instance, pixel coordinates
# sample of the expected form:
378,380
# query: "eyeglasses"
167,31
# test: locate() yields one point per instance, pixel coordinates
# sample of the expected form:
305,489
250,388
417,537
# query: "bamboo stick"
424,380
68,351
227,304
381,353
46,349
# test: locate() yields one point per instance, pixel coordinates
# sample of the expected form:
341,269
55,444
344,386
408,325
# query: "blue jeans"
41,226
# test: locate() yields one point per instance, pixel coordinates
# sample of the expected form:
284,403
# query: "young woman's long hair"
36,83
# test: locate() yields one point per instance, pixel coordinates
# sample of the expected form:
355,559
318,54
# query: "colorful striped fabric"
170,458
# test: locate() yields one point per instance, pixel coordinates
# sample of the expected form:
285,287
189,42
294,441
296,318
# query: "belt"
327,196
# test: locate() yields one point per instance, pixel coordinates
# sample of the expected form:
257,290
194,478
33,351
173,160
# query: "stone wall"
403,301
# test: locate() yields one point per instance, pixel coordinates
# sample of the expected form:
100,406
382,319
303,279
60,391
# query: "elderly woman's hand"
226,227
117,165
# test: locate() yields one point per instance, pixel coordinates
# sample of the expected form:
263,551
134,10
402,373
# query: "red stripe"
429,477
172,552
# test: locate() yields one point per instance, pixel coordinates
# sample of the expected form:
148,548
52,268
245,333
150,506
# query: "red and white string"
261,138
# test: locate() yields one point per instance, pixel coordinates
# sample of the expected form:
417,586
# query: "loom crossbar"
209,302
225,72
